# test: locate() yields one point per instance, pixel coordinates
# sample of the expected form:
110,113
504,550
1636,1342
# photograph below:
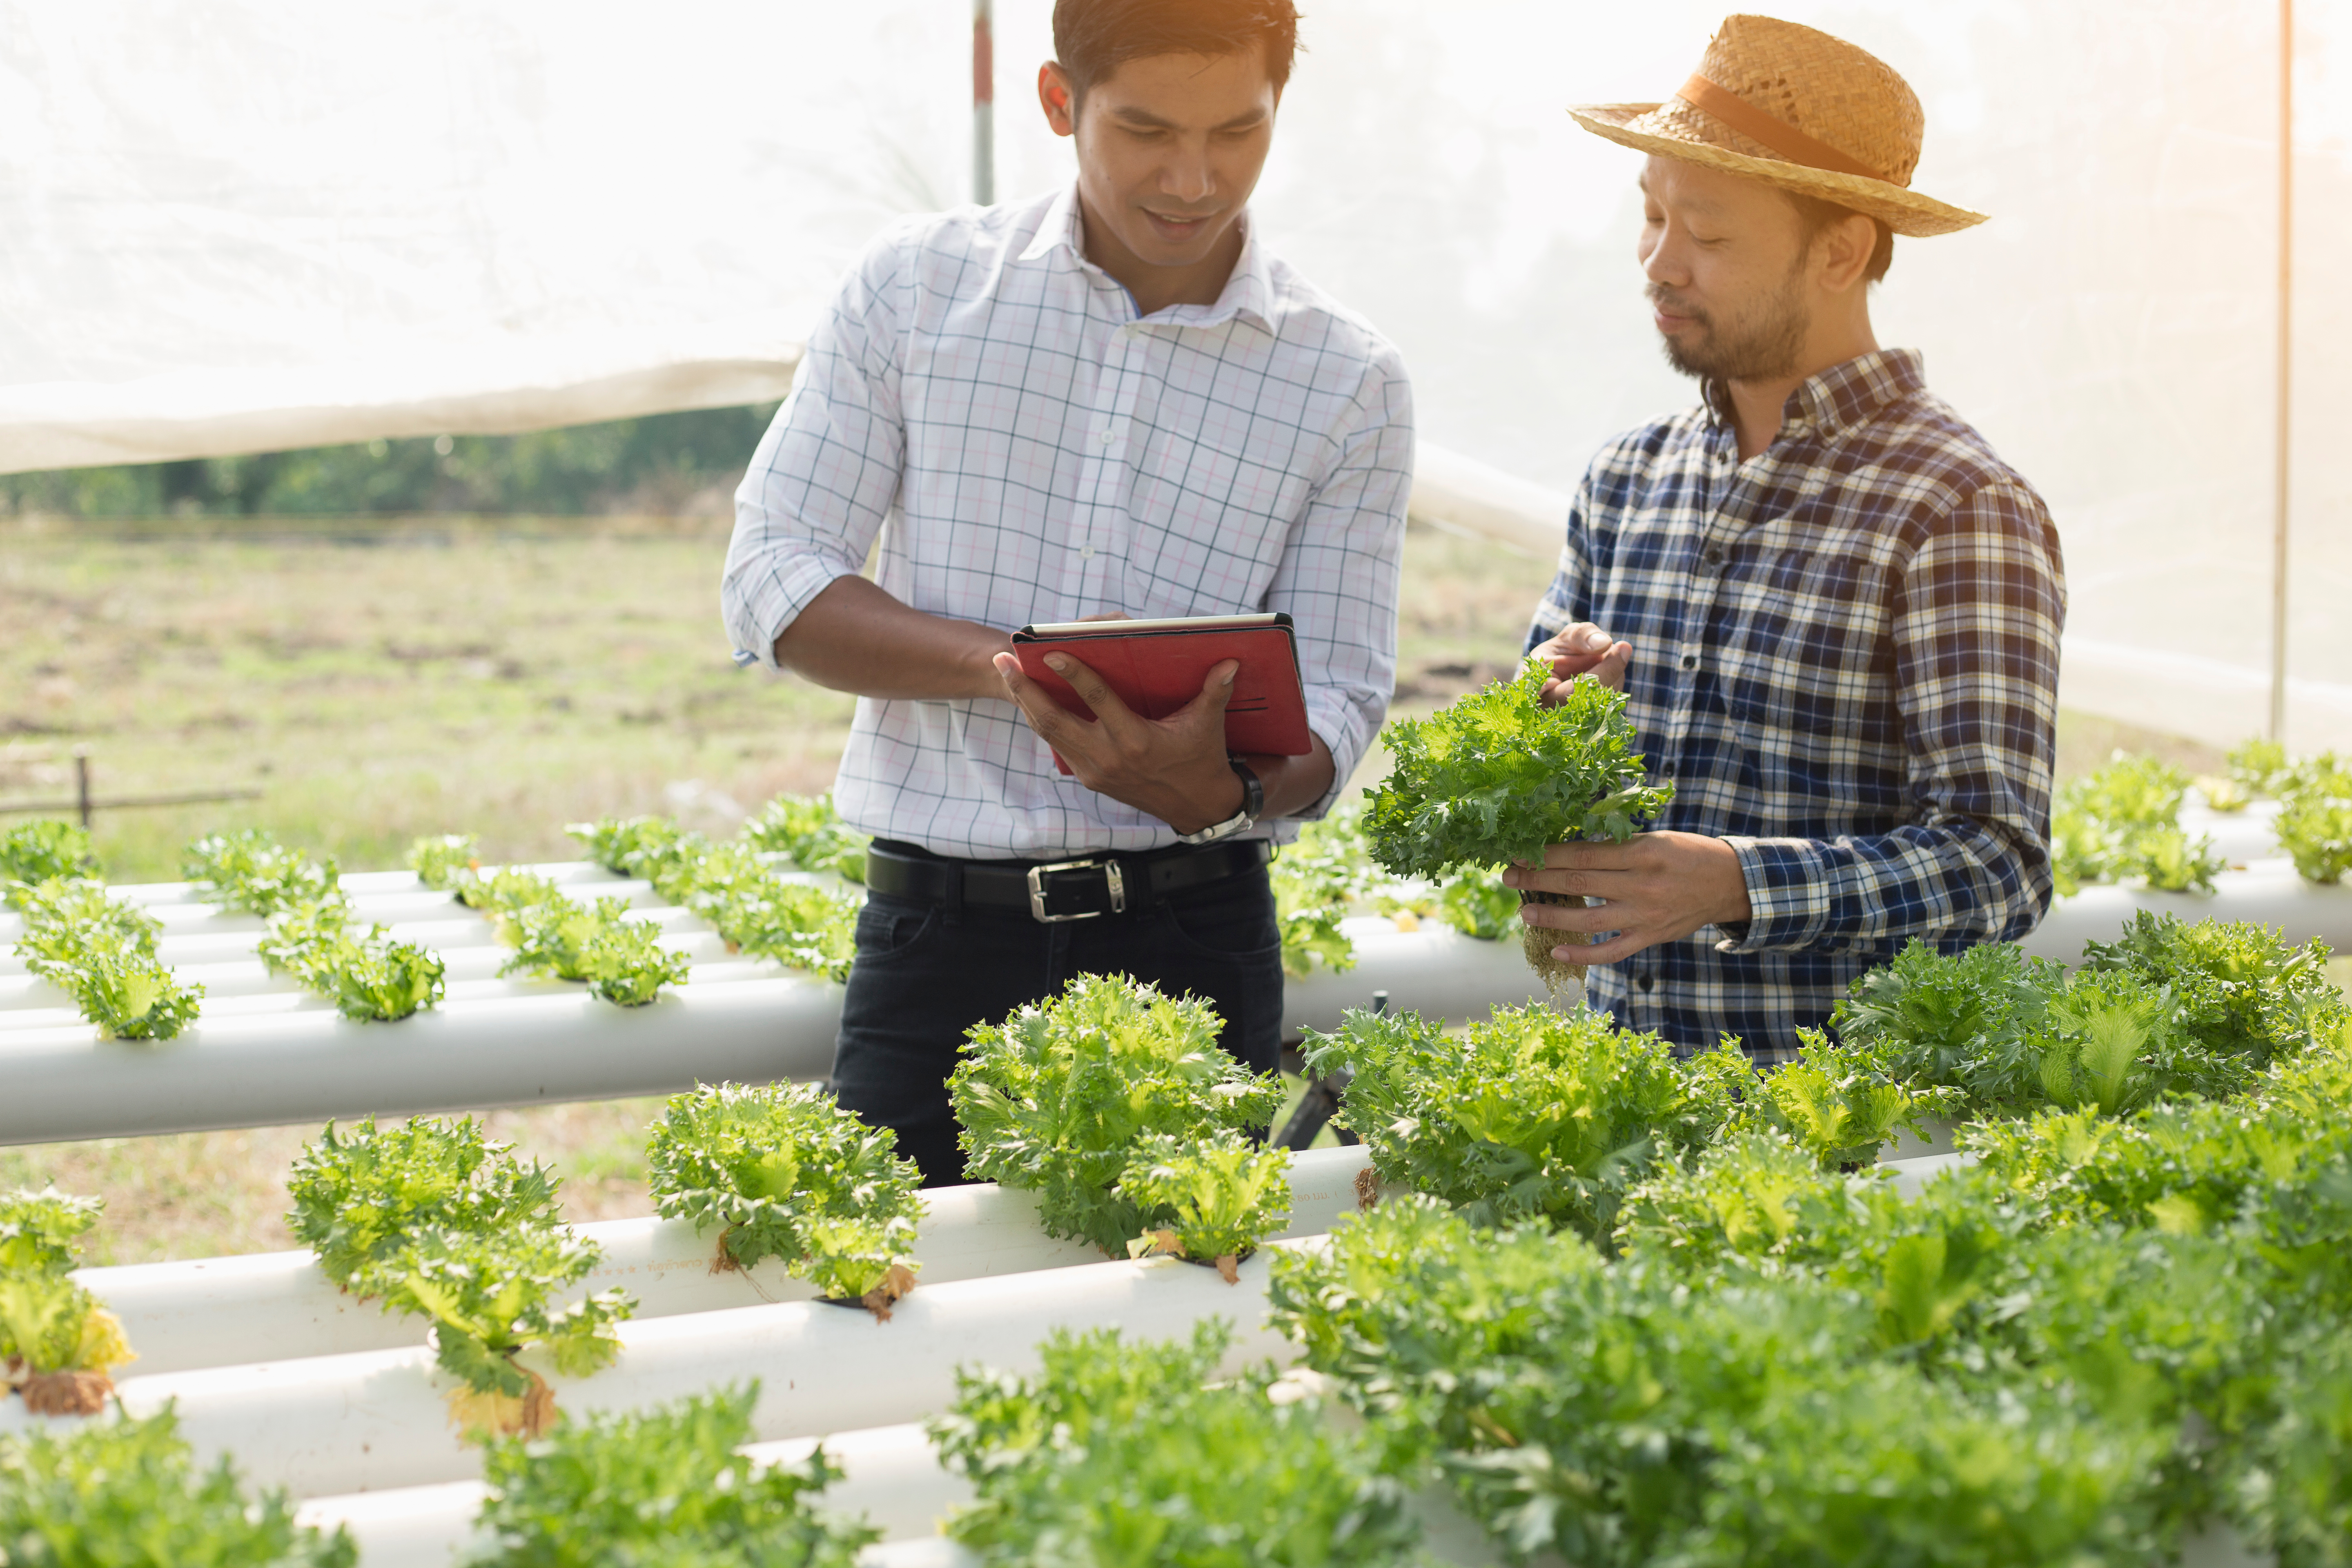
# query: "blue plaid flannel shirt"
1846,657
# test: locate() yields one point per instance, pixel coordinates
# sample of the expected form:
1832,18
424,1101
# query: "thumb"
1217,688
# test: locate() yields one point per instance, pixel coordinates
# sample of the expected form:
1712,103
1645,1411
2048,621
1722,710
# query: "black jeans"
924,975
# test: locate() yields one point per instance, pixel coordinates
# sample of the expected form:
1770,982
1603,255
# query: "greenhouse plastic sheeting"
240,224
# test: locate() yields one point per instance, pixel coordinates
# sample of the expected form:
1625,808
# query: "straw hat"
1797,109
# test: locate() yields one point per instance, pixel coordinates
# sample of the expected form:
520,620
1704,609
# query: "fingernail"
1057,662
1596,639
1229,676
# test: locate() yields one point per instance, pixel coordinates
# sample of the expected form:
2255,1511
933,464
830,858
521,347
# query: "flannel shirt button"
1690,661
1715,556
1646,982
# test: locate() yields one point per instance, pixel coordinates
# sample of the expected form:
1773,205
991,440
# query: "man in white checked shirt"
1109,402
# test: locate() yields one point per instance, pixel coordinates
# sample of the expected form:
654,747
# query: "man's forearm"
856,637
1293,785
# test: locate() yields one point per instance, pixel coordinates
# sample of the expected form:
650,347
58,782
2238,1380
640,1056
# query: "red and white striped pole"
983,102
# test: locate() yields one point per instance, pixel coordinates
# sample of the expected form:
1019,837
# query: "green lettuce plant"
1839,1116
1628,1414
1527,1115
1951,1028
780,1171
2123,822
434,1220
489,1294
2314,820
1498,777
38,1229
101,951
360,1192
2260,767
447,861
2241,991
753,909
808,830
1124,1452
1742,1202
250,870
1315,882
369,976
621,959
1211,1199
1477,904
58,1344
1055,1098
42,850
663,1488
127,1494
312,935
2294,1488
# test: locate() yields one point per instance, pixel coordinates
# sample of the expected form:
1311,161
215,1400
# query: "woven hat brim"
1906,212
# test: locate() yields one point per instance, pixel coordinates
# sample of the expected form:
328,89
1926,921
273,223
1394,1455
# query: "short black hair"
1092,39
1816,216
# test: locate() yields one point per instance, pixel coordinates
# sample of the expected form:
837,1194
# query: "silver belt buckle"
1115,879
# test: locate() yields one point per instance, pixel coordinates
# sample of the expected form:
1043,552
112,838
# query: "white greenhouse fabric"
242,224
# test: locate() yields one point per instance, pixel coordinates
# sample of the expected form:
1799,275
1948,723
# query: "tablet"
1158,667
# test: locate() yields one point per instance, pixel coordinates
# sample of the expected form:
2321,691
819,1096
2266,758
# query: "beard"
1767,342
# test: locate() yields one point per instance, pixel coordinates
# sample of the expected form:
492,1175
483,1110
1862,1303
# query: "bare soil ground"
501,677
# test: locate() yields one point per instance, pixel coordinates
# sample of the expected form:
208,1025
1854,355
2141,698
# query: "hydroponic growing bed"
263,1051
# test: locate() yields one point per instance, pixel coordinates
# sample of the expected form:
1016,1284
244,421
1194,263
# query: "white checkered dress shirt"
1030,450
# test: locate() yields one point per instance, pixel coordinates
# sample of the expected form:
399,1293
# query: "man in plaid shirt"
1834,610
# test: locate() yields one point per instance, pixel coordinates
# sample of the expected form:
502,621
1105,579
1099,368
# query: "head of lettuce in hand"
1498,776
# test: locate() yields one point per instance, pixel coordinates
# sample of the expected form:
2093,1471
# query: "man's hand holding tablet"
1175,766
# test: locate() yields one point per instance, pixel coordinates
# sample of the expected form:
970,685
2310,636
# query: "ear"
1059,98
1841,252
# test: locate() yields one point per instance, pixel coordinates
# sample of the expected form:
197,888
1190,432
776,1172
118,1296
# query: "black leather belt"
1051,890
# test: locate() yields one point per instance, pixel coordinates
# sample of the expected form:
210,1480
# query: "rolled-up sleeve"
1975,642
827,474
1340,572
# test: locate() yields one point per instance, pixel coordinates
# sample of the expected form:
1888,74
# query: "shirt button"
1690,661
1715,556
1646,984
1106,437
1086,552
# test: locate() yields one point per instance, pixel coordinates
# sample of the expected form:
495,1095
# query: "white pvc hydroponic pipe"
378,1419
272,1055
278,1305
890,1476
2267,892
280,1056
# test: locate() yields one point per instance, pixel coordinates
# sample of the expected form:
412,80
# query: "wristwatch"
1253,802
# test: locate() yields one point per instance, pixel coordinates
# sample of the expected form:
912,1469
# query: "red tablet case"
1157,666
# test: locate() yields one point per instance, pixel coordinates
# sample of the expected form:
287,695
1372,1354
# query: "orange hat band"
1777,135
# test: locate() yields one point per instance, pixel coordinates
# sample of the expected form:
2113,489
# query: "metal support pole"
81,785
2284,445
983,102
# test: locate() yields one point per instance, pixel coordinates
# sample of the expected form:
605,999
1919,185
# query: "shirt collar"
1832,401
1248,292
